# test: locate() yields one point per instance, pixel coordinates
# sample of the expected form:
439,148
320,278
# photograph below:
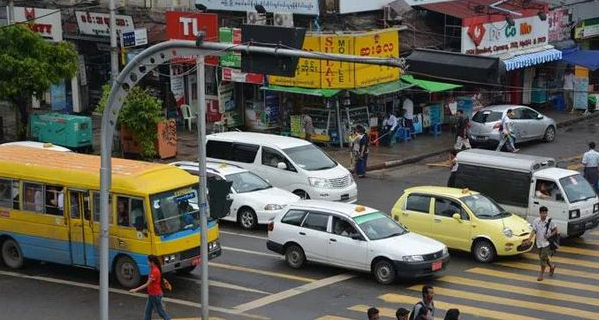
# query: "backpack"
413,313
554,240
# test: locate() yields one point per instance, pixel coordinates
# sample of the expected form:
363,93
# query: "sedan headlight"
272,207
445,251
320,183
412,258
508,232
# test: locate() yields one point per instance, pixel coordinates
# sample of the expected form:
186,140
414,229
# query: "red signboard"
186,25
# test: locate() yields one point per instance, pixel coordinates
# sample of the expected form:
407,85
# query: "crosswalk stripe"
525,278
563,260
385,312
579,251
560,270
511,302
586,241
549,294
595,233
262,272
575,166
333,318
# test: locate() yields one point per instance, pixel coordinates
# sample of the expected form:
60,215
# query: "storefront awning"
531,59
584,58
384,88
327,93
430,86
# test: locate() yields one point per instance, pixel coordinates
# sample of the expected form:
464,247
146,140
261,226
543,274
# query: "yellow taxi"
463,220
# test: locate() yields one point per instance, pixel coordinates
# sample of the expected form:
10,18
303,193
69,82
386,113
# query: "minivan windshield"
486,116
310,157
175,210
378,225
247,182
484,208
577,188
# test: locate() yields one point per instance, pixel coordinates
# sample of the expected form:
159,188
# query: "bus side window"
130,213
96,200
33,199
138,214
6,193
54,200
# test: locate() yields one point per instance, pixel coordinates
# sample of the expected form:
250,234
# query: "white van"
288,163
516,181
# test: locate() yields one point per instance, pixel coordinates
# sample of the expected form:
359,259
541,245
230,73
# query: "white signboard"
136,38
350,6
46,22
497,38
98,24
308,7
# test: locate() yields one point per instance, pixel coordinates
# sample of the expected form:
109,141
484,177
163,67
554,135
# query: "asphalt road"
249,282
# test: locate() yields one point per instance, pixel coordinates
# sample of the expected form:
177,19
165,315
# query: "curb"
417,158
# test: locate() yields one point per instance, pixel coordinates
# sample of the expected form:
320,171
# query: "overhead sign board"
351,6
187,25
98,24
307,7
45,22
135,38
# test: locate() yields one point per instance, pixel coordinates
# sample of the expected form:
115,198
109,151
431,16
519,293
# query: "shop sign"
499,38
226,100
58,95
307,73
177,84
213,113
98,24
46,22
351,6
138,37
230,35
236,75
308,7
378,44
588,29
186,25
337,74
559,24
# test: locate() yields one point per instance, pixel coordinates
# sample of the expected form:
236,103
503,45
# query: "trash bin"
65,130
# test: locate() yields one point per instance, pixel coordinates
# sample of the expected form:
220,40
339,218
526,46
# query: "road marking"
333,318
579,251
126,292
243,235
575,166
549,294
501,301
586,241
225,285
293,292
562,260
445,164
548,281
560,271
262,272
258,253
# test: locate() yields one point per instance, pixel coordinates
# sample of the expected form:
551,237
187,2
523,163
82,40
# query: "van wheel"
295,257
549,134
247,218
576,235
127,272
484,251
384,272
302,194
12,254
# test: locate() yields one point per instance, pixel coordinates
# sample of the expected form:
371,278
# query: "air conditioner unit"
255,18
390,15
283,19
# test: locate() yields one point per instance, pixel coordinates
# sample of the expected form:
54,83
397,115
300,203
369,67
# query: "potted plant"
143,129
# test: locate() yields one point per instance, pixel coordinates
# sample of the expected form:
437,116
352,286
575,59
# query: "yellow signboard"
376,44
308,71
336,74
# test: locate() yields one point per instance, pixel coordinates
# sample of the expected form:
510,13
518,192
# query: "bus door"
80,228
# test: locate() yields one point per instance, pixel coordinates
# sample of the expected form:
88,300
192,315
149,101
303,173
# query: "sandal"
552,270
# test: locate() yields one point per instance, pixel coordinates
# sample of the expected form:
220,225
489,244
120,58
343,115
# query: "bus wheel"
127,272
11,254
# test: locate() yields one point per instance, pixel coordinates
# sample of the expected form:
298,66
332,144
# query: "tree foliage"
29,65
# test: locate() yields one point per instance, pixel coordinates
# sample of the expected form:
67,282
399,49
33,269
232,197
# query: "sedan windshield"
486,116
577,188
484,207
247,182
172,211
311,158
378,225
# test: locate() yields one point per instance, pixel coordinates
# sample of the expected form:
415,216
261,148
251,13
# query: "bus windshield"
175,210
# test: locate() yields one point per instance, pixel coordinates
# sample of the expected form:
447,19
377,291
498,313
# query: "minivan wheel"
12,254
302,194
549,134
247,218
484,251
295,257
384,272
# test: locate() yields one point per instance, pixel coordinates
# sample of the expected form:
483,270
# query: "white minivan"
288,163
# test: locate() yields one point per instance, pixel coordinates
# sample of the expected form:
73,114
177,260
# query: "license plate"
196,261
345,197
437,265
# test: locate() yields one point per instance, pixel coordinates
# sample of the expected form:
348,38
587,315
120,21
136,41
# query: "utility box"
61,129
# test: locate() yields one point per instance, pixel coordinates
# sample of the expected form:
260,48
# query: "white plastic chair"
188,115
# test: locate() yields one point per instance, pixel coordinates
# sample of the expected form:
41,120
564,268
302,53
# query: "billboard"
307,7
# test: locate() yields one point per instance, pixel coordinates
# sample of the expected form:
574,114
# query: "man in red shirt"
154,290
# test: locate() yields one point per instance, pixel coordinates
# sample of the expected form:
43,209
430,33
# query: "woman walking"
362,151
154,290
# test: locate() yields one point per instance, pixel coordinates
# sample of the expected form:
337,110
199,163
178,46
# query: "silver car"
528,125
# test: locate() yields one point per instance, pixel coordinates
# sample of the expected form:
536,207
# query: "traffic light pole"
133,72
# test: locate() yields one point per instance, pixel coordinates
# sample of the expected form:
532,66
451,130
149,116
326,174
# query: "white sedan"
354,237
255,201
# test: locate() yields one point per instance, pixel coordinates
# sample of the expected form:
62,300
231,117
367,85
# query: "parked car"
255,201
528,125
288,163
354,237
38,145
463,220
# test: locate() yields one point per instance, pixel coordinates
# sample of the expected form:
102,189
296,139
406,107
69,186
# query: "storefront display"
324,122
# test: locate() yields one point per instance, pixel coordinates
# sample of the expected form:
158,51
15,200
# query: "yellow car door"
451,224
414,211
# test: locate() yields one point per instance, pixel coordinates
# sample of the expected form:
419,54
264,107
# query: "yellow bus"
49,211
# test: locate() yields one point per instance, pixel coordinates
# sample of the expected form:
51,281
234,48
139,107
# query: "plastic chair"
436,129
373,137
404,134
188,115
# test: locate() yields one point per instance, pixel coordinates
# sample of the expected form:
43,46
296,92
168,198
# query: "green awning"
430,86
383,88
327,93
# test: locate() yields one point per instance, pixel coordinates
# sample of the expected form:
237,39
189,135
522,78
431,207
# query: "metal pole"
114,59
11,12
201,119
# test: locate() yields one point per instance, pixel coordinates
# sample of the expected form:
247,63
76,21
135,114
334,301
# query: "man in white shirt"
590,160
569,90
408,108
389,126
543,228
507,132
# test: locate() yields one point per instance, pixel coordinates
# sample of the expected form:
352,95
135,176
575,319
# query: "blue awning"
584,58
531,59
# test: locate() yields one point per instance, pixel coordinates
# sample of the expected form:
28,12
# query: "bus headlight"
214,245
169,258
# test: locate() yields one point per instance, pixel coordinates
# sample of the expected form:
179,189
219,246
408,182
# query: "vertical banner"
337,74
58,95
581,93
177,84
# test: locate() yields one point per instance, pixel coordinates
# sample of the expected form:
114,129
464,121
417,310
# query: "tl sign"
45,22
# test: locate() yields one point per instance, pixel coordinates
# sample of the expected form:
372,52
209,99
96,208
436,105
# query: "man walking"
402,314
544,229
389,126
373,313
462,132
427,302
507,132
408,113
569,90
590,160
